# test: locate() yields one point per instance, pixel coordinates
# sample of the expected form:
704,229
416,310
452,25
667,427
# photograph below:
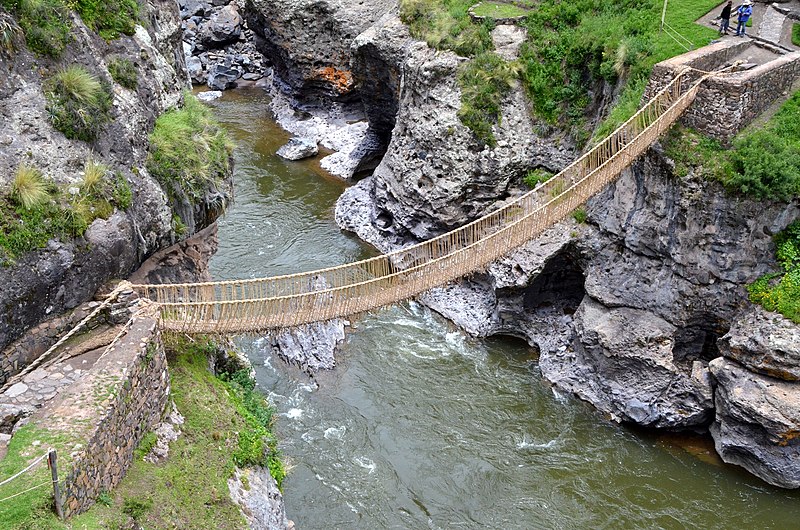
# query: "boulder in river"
221,77
757,423
298,148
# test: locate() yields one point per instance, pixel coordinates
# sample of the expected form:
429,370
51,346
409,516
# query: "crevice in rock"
561,284
697,340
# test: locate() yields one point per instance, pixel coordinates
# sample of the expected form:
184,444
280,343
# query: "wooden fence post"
51,461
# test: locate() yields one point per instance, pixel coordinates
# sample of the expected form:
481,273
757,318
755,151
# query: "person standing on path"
725,18
744,12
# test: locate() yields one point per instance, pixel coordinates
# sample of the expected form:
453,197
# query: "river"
422,426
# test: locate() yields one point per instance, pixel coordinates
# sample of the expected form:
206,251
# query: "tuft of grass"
123,72
780,291
78,103
93,174
189,151
110,18
537,176
45,24
10,32
146,445
796,34
579,215
29,189
484,82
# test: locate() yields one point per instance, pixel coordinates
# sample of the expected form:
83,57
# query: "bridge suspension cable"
242,306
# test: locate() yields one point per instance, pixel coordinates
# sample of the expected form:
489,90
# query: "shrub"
484,82
78,103
766,166
93,174
537,176
28,189
123,72
579,215
189,151
136,508
781,291
110,18
45,23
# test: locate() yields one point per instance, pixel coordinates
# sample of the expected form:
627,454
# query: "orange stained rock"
342,80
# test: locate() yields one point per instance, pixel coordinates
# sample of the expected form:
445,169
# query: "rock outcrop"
435,174
308,41
757,423
55,279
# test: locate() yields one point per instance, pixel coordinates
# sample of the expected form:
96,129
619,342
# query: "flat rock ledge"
764,342
757,423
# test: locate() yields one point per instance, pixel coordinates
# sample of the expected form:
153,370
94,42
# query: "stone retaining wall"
120,400
728,103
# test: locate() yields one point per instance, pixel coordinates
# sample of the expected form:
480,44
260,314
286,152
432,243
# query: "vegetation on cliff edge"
189,151
35,210
572,49
763,163
780,291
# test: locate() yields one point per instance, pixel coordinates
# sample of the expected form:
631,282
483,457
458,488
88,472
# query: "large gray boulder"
298,148
224,27
764,342
623,364
757,423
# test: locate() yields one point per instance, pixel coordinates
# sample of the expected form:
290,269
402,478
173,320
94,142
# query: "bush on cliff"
123,72
189,151
780,292
45,23
446,25
109,18
484,81
78,103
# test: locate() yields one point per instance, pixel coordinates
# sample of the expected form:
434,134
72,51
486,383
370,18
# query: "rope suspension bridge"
244,306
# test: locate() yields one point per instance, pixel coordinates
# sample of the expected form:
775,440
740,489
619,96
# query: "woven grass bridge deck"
286,301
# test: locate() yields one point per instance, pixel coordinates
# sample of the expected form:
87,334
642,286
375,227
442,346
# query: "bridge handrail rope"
288,300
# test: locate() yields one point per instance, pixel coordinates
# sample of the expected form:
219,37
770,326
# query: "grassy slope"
187,491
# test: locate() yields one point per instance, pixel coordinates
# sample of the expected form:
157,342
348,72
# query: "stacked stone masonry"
729,102
130,387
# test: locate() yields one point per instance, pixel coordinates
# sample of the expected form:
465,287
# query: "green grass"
796,34
446,25
225,423
484,81
56,213
762,163
572,49
537,176
499,10
189,151
780,292
32,510
123,72
109,18
45,24
78,103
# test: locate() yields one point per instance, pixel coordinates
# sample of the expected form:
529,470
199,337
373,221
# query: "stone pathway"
771,27
771,22
40,386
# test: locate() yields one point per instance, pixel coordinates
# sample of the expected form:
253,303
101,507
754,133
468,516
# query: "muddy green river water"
422,426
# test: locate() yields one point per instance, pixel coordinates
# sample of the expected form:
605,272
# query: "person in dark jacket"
744,12
725,18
